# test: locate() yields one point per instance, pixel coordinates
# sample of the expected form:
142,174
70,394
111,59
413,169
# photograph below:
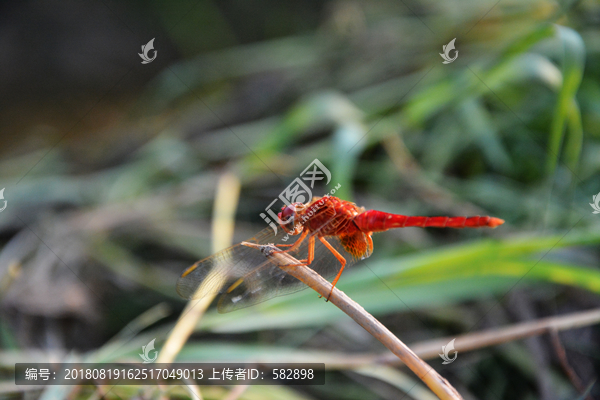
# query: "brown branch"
492,337
440,386
474,341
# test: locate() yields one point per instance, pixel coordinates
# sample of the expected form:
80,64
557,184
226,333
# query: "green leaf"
573,63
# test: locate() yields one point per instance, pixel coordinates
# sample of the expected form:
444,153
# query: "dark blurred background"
111,169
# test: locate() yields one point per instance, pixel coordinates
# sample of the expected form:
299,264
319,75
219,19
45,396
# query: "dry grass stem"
193,389
226,201
473,341
440,386
492,337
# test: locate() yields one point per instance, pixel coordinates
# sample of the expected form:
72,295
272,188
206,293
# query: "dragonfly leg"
311,250
296,244
311,254
339,257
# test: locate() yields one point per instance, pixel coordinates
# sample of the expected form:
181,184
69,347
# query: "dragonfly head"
289,220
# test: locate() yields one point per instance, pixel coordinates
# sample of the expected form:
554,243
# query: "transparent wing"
262,284
212,274
245,276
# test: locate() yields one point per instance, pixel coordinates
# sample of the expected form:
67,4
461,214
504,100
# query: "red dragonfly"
334,234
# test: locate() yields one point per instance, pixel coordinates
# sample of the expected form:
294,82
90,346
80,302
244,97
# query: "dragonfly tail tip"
494,222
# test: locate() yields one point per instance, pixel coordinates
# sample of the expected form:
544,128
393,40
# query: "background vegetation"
111,168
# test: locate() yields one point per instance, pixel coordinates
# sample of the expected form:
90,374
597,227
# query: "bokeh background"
111,170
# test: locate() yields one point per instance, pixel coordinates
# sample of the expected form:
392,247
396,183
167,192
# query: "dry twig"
473,341
440,386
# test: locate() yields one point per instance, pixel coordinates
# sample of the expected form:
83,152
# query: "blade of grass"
575,139
573,62
438,276
226,201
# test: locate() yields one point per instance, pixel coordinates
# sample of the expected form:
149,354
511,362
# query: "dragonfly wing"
212,274
259,285
270,281
245,276
207,276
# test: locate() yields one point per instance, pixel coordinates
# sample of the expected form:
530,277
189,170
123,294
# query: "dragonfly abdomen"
378,221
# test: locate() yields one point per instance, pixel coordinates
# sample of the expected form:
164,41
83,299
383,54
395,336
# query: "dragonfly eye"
287,214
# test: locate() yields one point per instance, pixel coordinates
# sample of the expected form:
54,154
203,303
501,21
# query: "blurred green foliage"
510,129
